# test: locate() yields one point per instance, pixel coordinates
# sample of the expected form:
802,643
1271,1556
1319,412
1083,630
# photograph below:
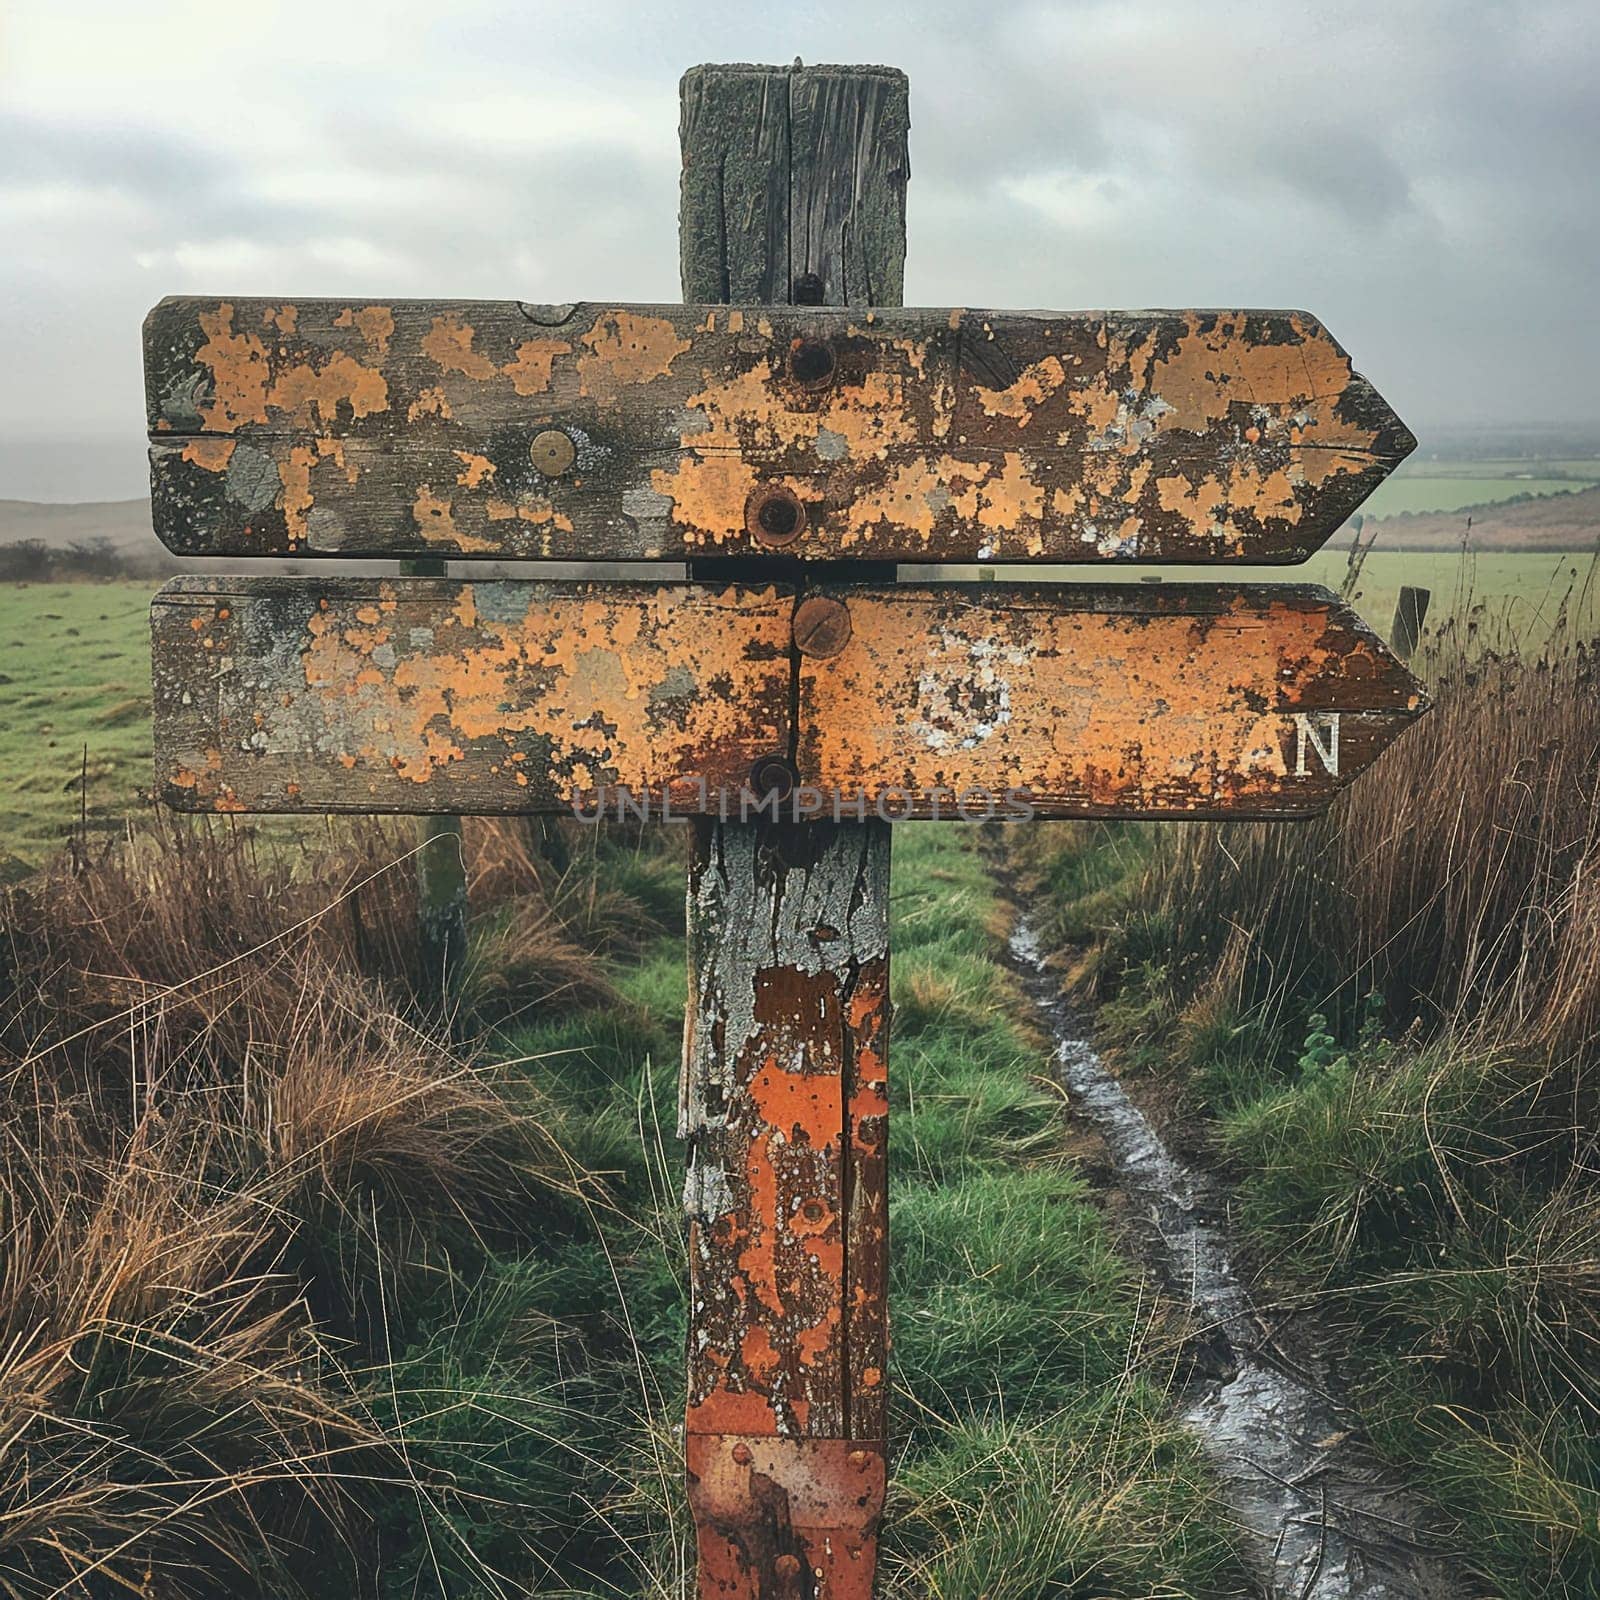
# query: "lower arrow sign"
1122,700
276,694
1181,701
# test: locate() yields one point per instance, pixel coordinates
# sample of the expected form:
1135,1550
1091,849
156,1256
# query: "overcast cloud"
1421,175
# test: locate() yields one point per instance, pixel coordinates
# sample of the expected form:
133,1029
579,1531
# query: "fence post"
441,881
1409,612
793,192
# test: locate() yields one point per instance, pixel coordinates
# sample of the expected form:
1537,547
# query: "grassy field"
1525,591
1382,1028
1428,485
74,678
411,1314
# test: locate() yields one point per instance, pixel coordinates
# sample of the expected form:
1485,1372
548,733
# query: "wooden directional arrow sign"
906,701
588,432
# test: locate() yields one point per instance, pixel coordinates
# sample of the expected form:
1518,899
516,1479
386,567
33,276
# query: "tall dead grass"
229,1145
1459,880
1393,1013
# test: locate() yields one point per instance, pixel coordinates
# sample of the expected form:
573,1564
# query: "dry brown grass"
227,1139
1393,1015
1460,879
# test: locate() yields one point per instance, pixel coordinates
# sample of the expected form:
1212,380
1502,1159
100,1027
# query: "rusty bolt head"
811,363
821,626
773,775
553,452
787,1566
741,1454
860,1460
775,515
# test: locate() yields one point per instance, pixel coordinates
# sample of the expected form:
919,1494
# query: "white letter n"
1309,730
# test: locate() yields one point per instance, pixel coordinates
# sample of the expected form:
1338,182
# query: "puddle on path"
1323,1520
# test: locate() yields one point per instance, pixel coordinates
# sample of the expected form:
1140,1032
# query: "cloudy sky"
1420,174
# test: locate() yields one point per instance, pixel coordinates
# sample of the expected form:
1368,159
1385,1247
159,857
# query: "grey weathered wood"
733,217
426,696
817,998
850,163
604,432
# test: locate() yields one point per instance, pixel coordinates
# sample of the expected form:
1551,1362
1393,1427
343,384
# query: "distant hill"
126,523
1553,522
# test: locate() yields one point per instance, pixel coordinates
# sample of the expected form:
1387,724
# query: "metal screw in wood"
553,452
821,626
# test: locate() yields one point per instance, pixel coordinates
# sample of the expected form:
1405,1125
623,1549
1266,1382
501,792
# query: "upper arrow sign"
607,433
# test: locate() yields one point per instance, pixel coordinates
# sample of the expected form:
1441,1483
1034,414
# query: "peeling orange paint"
1110,707
988,436
529,370
609,684
448,344
212,454
626,348
429,403
475,469
239,372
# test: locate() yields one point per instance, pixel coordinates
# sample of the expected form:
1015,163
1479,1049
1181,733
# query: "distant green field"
1420,466
1526,590
1455,494
1452,485
74,677
75,668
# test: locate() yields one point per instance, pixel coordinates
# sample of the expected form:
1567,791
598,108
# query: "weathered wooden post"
791,434
793,191
1410,611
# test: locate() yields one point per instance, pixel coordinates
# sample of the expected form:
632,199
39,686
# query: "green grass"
74,677
1036,1455
1423,485
1403,493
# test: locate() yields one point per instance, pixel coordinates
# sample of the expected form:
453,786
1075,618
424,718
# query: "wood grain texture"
790,172
788,937
432,696
326,428
293,694
786,1039
1123,701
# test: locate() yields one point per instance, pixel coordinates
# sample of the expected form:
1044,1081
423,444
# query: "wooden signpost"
791,434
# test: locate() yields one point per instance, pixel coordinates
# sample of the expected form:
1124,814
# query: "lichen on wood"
425,695
326,428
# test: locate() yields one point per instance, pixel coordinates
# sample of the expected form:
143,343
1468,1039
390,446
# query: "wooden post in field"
791,433
441,882
1410,611
793,192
